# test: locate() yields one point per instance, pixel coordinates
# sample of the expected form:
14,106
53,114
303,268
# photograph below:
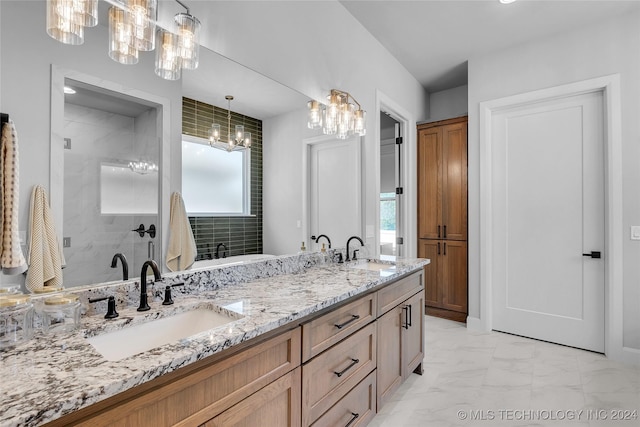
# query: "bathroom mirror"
255,96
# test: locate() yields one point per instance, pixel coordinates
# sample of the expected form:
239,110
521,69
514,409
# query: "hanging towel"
12,259
45,254
181,252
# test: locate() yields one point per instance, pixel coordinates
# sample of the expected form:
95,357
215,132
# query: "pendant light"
241,140
143,15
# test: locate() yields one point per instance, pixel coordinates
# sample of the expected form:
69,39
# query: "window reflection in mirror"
214,182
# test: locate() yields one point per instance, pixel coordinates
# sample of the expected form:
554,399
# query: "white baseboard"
475,324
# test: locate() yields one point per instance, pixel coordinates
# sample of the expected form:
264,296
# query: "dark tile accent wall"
241,235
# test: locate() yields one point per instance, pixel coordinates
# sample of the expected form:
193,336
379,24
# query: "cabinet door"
412,333
454,275
454,181
429,183
389,372
432,286
277,404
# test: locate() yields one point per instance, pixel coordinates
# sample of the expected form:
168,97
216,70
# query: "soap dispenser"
303,248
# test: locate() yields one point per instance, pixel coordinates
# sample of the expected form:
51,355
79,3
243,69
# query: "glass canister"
16,320
60,313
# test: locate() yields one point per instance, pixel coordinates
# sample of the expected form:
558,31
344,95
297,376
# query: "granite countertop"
51,376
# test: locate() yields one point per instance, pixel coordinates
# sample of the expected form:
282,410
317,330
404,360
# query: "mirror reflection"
110,160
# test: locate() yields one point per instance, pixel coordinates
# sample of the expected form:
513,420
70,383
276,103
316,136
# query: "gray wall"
449,103
609,47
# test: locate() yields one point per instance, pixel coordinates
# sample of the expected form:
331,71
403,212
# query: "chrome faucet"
144,305
125,266
348,242
326,237
224,253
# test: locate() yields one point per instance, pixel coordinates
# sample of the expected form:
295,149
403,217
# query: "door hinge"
399,241
399,140
399,190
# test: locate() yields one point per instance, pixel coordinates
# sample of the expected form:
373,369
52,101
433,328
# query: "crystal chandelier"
142,167
132,29
241,140
339,116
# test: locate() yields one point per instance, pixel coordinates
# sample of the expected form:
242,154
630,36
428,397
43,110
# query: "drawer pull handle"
353,363
407,322
354,317
438,232
352,420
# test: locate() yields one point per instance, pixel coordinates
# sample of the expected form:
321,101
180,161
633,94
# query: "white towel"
181,251
45,254
12,259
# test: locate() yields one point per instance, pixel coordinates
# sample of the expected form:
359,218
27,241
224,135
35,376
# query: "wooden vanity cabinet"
400,335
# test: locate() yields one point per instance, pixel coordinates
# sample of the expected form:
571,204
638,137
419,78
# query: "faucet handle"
111,306
167,294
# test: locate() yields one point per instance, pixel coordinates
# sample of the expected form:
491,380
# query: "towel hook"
151,231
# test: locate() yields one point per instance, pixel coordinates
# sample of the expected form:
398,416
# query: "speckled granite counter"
51,376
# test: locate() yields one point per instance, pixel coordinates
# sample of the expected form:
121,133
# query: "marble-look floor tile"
493,379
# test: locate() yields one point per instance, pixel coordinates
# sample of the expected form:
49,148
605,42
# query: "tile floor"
485,379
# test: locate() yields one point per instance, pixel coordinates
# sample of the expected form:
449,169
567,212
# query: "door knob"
594,254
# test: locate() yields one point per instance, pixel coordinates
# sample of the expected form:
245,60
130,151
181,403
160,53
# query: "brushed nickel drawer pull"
353,363
354,317
351,421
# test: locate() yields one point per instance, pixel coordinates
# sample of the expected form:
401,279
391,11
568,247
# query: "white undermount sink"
132,340
374,266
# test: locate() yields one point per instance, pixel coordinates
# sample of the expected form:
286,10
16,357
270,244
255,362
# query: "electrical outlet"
66,242
635,232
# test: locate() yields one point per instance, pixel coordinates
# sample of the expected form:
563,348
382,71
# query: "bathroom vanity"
305,344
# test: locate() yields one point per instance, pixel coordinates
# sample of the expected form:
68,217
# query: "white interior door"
334,190
548,210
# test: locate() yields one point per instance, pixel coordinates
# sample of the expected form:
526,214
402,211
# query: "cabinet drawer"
330,375
398,292
356,408
323,332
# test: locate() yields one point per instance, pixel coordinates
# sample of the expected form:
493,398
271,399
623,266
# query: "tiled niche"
241,235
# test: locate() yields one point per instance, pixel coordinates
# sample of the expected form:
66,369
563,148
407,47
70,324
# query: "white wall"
449,103
609,47
291,43
26,79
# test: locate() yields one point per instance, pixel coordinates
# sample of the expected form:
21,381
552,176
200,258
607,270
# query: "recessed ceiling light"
69,90
507,1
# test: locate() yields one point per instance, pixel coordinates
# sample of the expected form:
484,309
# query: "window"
387,223
214,182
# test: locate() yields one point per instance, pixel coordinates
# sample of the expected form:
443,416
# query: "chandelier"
132,29
142,167
339,116
241,140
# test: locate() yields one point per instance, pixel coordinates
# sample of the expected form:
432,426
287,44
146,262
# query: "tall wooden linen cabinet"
442,216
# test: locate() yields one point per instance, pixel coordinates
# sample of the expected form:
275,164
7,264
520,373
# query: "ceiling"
435,39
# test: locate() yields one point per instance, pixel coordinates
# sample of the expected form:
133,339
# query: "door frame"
306,183
409,174
610,88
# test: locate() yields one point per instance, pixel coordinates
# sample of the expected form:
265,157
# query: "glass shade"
345,121
315,115
143,17
167,58
121,48
86,12
239,134
359,122
188,40
63,22
247,139
214,133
